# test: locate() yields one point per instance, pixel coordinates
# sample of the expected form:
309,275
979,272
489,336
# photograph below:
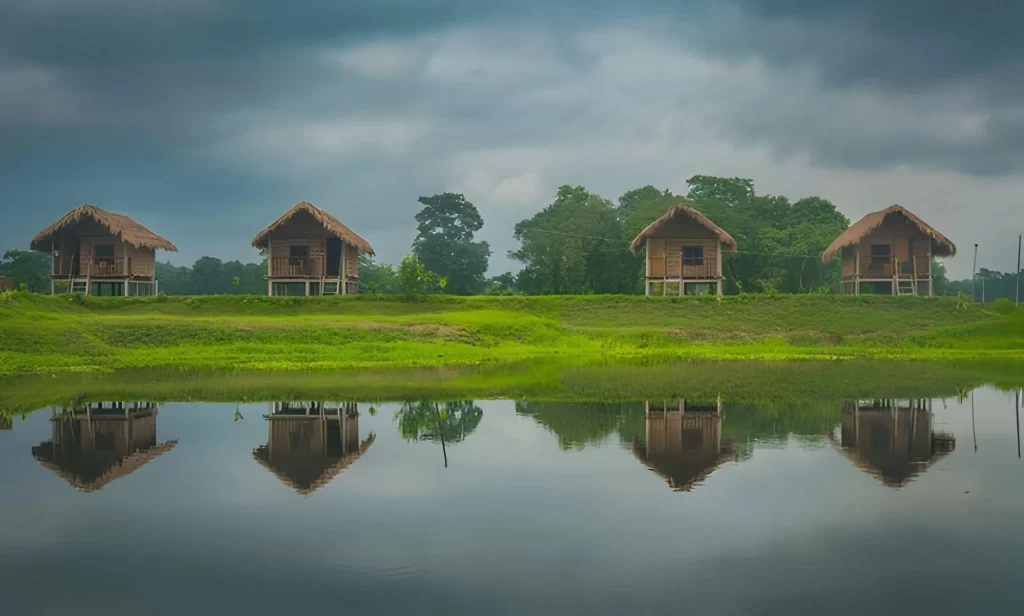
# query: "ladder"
80,286
334,290
907,287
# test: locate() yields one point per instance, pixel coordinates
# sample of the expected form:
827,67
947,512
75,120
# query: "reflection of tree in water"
450,422
446,422
766,422
580,424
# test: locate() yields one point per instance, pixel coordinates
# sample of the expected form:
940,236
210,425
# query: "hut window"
693,255
298,253
103,251
881,253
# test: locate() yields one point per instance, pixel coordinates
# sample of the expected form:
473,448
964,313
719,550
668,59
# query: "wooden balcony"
103,268
886,268
290,267
681,268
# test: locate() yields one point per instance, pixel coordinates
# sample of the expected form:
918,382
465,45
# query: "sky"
207,119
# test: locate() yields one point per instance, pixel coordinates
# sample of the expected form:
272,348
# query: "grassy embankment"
61,334
774,384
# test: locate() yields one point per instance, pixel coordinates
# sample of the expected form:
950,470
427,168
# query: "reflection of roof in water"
306,474
682,447
893,470
891,443
93,477
685,472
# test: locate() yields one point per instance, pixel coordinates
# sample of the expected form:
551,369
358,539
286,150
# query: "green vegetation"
444,242
71,333
769,384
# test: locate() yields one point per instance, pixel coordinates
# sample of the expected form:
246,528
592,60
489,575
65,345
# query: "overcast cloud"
207,119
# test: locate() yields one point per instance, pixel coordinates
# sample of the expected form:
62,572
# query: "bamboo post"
974,273
343,282
856,272
1019,239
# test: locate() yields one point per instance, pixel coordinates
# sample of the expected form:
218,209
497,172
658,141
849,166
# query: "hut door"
333,256
655,258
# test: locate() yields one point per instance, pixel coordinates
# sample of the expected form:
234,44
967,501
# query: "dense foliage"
211,276
28,268
575,246
779,241
444,242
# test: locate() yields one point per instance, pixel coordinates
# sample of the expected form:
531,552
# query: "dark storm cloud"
167,71
218,106
895,43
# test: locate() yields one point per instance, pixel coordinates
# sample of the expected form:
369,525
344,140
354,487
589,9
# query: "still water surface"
883,507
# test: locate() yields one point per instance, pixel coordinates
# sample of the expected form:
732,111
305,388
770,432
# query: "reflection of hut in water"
6,423
309,443
683,442
95,444
892,440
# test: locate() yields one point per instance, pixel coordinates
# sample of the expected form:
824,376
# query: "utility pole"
974,274
1019,239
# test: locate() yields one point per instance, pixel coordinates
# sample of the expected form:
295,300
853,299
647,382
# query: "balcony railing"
888,267
301,267
102,268
704,268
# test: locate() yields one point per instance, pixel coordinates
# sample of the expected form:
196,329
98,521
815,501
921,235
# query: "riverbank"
42,334
773,383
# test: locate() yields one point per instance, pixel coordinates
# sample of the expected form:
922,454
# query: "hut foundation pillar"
307,288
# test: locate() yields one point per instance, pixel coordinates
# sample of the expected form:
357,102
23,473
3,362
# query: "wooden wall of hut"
665,250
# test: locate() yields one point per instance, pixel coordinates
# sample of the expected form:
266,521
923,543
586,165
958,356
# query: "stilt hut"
5,284
310,252
892,440
889,252
310,443
98,443
96,252
684,253
683,442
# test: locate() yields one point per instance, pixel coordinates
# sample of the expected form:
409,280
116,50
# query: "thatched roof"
118,224
90,482
330,223
683,210
941,245
307,475
685,470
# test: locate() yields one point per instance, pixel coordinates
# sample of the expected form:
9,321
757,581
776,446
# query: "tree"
779,241
376,277
414,279
29,268
574,246
502,284
211,276
728,191
431,421
444,242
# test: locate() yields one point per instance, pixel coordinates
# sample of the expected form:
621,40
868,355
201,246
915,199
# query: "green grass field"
42,334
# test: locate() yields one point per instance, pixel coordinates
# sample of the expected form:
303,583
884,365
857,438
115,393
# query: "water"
524,508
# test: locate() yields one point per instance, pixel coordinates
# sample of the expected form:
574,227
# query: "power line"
608,239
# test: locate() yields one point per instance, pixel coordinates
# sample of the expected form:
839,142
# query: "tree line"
577,244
